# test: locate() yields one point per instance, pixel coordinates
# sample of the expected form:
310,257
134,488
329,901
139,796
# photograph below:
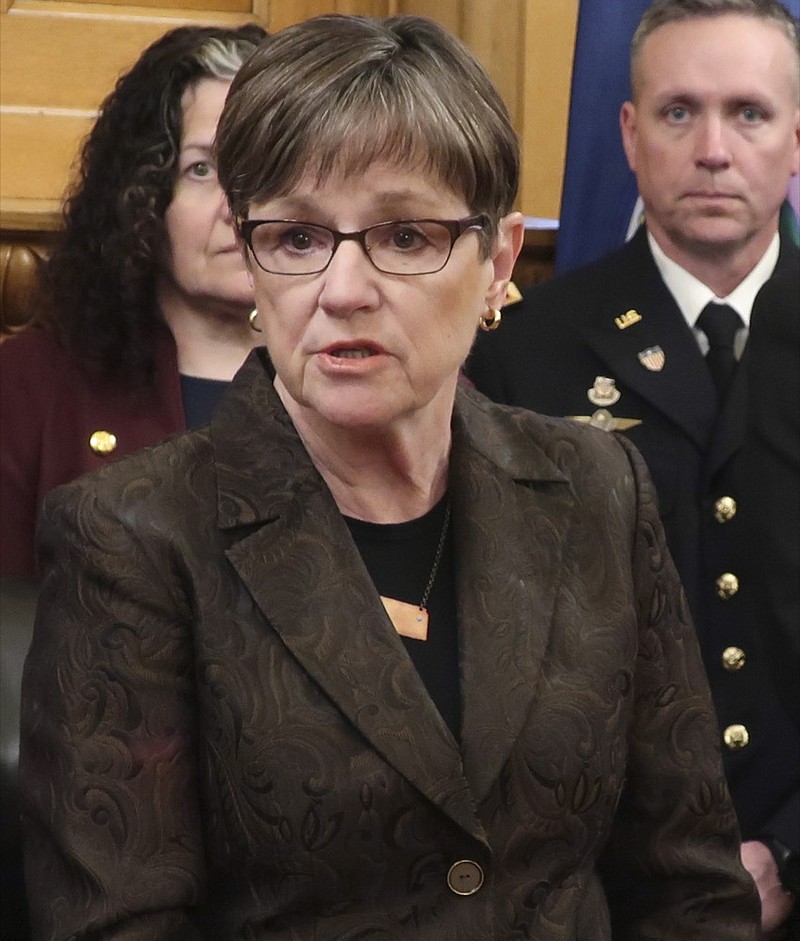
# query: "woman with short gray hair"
371,657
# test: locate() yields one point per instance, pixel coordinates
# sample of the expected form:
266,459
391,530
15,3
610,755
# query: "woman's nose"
349,281
224,207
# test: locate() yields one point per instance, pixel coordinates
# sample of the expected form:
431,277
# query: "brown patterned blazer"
223,737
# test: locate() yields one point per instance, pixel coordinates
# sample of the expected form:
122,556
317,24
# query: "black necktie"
720,323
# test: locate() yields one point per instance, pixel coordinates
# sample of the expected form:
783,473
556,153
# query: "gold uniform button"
103,442
465,877
736,736
725,509
727,585
733,658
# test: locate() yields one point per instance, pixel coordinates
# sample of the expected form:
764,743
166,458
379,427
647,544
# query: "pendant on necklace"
410,620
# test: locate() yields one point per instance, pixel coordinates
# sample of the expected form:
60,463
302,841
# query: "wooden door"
59,59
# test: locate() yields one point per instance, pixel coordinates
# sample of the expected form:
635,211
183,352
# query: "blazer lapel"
510,507
682,390
293,551
732,421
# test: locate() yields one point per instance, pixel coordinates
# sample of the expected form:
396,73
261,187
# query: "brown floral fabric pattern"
223,737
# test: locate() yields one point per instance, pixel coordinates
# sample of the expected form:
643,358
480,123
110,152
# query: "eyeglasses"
407,247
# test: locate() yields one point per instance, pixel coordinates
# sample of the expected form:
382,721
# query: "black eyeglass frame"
455,227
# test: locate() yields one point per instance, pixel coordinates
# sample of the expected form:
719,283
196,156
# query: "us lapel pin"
628,319
653,358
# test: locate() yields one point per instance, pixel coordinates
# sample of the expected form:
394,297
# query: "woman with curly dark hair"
145,300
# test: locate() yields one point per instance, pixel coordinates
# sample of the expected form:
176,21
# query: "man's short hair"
662,12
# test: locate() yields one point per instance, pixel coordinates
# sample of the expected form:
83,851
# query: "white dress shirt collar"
691,295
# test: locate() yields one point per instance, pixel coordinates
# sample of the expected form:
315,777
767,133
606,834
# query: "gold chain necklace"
411,620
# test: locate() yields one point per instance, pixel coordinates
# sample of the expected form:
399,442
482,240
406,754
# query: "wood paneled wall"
59,59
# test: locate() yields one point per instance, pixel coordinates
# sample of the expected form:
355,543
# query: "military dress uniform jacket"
546,356
239,746
56,423
770,477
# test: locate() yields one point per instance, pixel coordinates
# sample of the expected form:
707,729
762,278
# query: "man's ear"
627,126
510,234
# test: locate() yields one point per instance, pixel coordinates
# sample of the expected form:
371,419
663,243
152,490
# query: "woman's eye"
297,240
200,169
300,240
405,238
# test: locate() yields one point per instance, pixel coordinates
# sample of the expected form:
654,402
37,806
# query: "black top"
200,398
399,558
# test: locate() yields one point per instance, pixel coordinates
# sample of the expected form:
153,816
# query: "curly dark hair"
99,283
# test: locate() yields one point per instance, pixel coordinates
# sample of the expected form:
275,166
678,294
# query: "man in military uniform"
648,342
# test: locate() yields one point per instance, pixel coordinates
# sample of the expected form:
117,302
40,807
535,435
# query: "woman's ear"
248,264
248,267
510,234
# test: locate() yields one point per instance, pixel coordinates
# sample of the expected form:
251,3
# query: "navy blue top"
200,399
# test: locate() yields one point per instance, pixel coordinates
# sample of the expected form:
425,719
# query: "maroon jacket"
49,412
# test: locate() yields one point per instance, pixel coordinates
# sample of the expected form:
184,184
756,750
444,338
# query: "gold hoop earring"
251,319
492,320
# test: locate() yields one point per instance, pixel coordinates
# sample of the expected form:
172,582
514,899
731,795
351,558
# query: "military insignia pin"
604,392
653,358
512,294
605,421
628,319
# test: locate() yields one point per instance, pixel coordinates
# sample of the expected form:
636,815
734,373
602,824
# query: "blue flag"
599,190
599,195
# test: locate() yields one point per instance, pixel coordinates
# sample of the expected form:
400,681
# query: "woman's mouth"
357,348
357,357
354,353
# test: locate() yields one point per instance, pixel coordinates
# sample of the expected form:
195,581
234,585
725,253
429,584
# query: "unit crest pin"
604,392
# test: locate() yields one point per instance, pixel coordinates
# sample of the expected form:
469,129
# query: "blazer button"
733,658
465,877
727,585
725,509
103,442
736,737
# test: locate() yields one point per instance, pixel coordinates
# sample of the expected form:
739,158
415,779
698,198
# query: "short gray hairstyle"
662,12
338,93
